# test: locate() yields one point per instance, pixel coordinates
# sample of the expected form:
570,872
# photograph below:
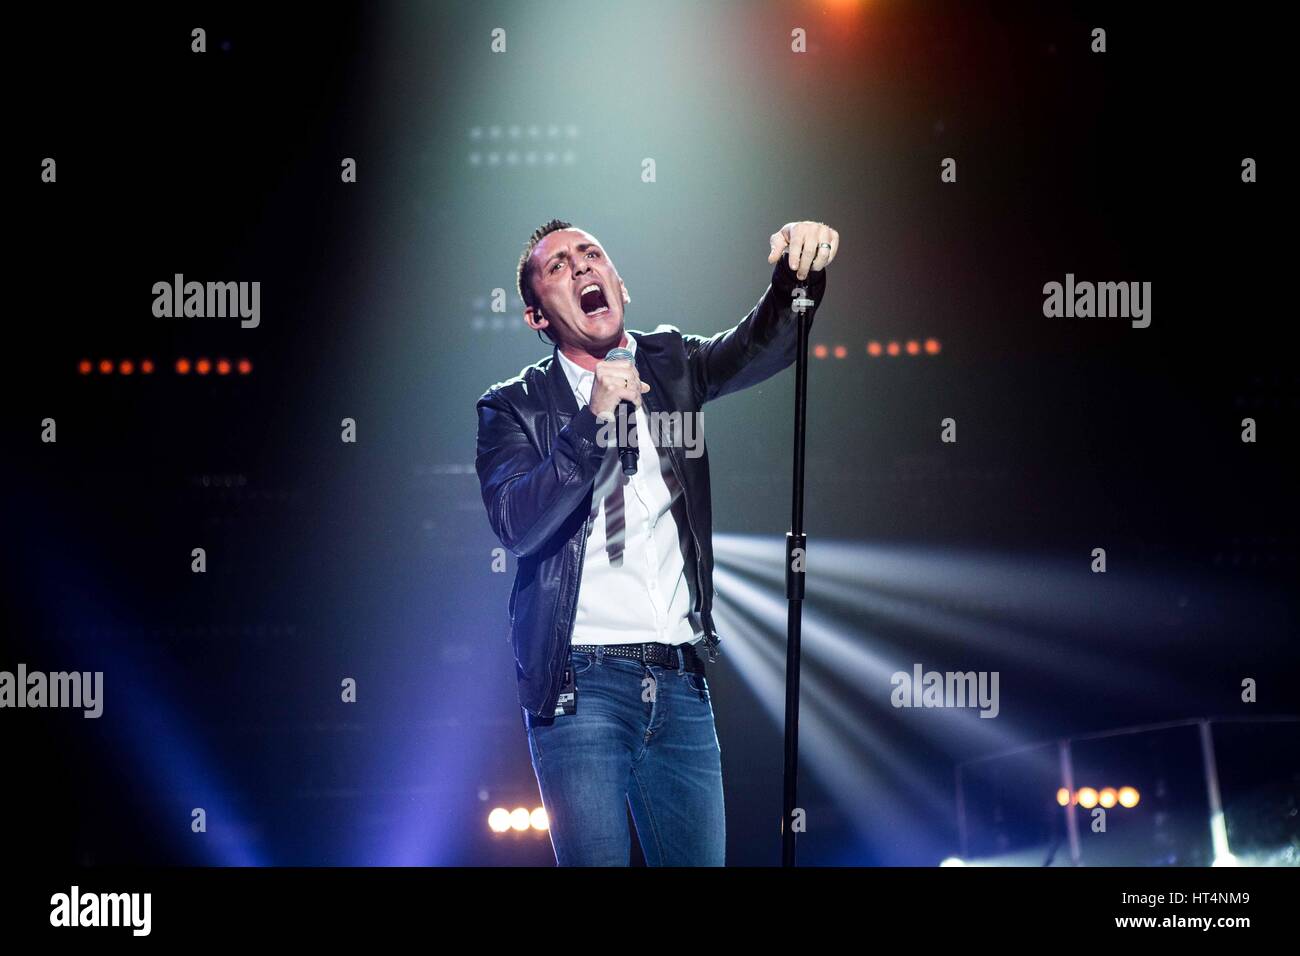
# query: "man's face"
580,296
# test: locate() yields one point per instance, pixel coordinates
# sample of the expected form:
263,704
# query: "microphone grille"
617,355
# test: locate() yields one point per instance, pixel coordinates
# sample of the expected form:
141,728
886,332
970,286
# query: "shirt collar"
580,379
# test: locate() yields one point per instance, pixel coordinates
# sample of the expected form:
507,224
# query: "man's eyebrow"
563,254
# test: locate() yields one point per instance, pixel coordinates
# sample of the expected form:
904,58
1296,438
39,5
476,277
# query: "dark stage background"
372,560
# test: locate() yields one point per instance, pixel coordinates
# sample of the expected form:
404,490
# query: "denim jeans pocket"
697,683
581,662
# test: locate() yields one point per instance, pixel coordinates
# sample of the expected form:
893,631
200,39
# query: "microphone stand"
796,550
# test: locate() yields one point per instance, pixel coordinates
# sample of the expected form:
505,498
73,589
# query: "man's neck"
584,359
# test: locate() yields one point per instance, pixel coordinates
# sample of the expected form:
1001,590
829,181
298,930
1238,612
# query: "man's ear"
533,316
626,298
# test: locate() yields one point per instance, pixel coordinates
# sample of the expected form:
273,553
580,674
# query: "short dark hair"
525,275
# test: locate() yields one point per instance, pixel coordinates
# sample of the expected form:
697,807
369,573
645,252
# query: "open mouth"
592,301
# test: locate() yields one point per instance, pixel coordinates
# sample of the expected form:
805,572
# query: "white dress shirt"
634,586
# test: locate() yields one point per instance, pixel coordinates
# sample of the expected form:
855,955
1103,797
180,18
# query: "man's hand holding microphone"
616,381
617,385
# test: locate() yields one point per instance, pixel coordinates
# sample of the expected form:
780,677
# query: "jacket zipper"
710,640
582,558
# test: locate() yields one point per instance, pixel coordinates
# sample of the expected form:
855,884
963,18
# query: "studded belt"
653,652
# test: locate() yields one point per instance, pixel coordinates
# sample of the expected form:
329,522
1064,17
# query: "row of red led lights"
183,366
876,349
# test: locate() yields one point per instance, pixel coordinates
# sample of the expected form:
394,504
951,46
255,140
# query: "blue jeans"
642,736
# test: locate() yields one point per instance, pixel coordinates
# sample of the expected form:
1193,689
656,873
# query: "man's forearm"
760,345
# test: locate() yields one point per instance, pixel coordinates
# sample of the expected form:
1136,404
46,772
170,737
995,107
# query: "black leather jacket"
538,458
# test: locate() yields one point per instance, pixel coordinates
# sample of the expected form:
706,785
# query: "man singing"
614,589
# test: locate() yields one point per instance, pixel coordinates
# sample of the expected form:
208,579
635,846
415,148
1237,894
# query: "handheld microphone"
627,453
